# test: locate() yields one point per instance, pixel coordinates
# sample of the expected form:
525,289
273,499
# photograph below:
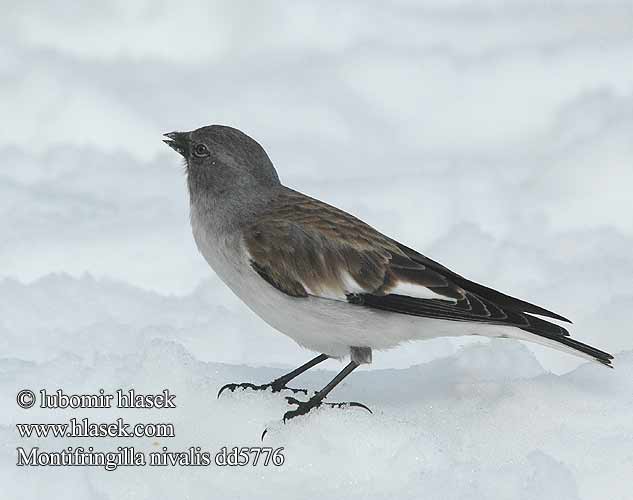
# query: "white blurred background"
495,137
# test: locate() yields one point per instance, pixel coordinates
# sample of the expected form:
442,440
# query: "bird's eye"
200,150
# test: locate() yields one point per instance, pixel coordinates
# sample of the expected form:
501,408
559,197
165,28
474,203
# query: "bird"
326,279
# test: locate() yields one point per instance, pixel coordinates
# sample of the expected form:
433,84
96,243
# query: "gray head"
223,163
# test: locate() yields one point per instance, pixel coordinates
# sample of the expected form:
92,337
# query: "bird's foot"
304,407
275,386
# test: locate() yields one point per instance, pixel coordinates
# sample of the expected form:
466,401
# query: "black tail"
558,334
600,356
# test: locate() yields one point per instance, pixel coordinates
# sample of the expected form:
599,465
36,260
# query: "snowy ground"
488,422
495,137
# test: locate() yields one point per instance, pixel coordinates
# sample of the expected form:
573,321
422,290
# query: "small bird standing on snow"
326,279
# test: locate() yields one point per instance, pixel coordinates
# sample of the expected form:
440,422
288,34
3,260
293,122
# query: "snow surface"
488,422
493,136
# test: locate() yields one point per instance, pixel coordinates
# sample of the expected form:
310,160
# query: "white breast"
222,251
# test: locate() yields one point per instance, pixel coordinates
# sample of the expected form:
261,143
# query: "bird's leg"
279,383
304,407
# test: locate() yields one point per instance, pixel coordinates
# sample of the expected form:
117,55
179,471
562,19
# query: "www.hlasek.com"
123,455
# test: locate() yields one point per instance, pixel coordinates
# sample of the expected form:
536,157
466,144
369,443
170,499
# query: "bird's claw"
304,407
244,385
264,387
349,404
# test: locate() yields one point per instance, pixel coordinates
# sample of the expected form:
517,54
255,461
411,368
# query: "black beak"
178,141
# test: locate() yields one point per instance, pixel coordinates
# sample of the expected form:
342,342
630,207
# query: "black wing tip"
522,306
552,315
499,298
542,327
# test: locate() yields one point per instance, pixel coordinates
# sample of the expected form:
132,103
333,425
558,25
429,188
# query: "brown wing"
305,247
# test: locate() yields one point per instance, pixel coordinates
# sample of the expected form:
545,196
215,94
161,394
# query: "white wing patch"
349,285
417,291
